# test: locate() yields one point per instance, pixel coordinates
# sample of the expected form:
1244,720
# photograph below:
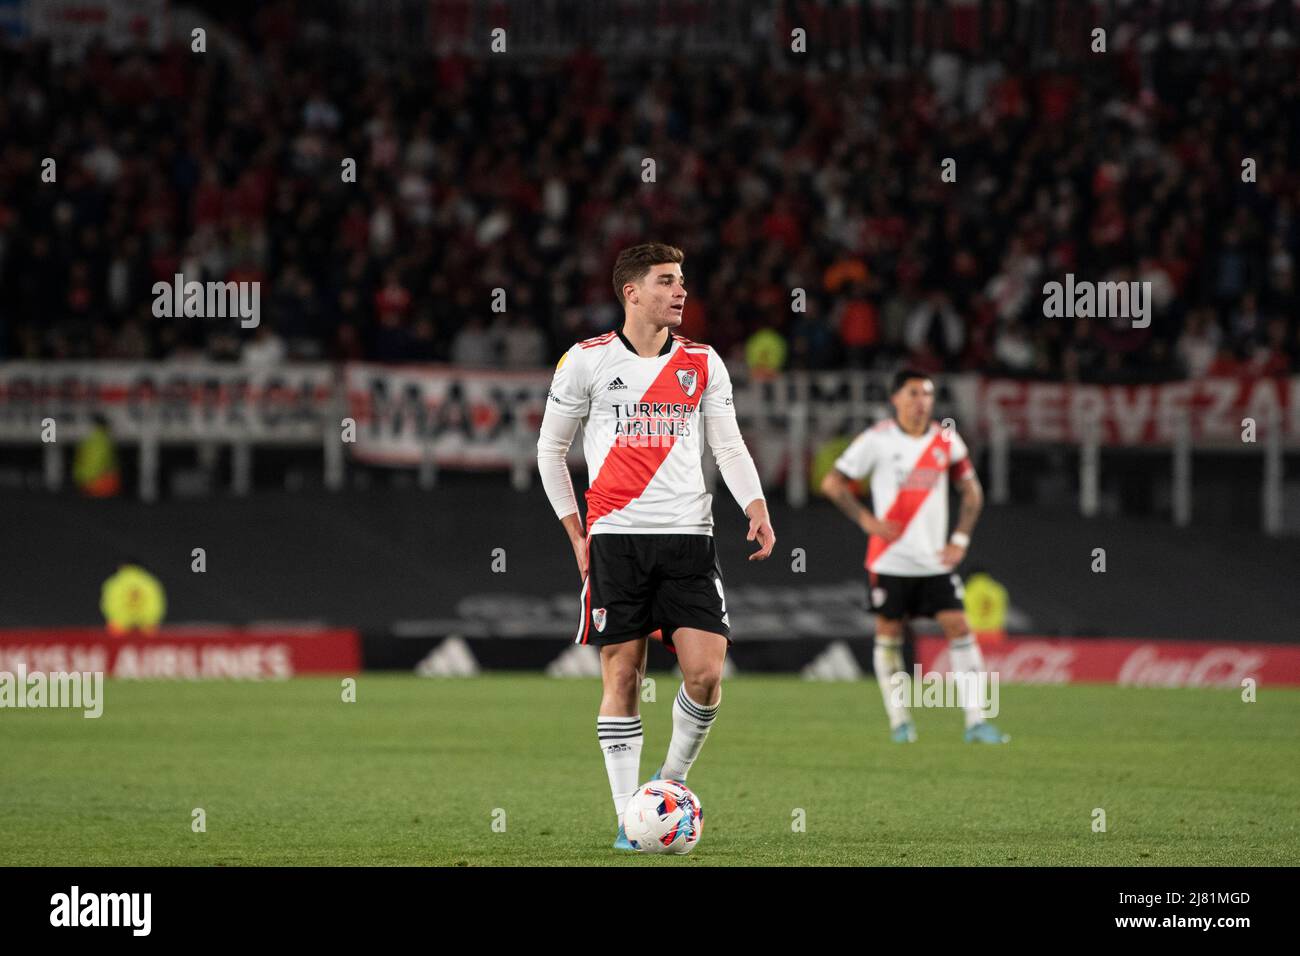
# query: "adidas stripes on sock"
620,742
691,723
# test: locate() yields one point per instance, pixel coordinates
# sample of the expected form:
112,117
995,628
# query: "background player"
911,569
647,559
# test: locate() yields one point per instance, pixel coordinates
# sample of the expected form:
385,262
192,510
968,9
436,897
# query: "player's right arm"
568,403
856,462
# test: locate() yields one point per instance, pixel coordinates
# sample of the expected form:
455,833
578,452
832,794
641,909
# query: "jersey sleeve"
570,394
960,465
859,458
717,399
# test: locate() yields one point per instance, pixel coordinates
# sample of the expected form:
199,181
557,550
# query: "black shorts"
894,597
637,583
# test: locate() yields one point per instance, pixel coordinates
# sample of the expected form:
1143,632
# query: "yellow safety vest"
986,603
133,599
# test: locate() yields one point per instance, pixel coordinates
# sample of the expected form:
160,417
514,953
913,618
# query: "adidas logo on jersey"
617,383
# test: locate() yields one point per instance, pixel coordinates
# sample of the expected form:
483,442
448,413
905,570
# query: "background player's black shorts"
895,597
639,582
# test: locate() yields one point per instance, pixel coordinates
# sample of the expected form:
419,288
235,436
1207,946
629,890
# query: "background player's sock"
887,659
691,723
967,661
620,742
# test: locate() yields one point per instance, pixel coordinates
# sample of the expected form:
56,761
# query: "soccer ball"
663,816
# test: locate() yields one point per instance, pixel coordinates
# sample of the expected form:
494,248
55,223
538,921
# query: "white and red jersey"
642,432
909,485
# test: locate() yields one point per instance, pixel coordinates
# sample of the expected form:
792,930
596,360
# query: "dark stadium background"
521,171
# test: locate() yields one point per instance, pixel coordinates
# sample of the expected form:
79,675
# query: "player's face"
660,297
914,402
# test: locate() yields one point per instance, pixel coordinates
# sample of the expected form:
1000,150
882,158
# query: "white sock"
887,659
966,660
691,723
620,742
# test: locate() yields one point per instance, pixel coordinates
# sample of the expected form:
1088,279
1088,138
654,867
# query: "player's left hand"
760,530
951,555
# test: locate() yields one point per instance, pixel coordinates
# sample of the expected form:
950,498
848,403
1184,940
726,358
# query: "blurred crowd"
818,230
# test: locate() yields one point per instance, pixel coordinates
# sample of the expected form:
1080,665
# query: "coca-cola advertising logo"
1220,667
1025,662
1030,660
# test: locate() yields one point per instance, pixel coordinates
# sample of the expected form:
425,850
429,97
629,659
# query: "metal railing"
786,420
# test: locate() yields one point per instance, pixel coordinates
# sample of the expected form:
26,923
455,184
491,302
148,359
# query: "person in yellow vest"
765,352
94,465
132,599
986,607
823,460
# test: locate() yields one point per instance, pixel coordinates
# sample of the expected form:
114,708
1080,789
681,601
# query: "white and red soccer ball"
663,816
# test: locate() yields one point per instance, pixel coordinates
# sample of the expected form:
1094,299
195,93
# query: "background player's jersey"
909,485
642,430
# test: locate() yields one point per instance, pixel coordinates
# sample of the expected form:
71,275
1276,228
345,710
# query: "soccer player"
643,396
910,567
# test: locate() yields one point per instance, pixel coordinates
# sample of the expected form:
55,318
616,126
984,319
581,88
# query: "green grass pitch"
415,772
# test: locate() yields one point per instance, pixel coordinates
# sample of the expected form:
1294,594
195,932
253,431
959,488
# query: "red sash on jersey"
627,469
908,501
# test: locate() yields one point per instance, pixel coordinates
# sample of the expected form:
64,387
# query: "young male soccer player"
910,566
643,396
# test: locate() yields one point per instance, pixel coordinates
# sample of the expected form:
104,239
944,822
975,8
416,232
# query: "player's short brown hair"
635,261
905,375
